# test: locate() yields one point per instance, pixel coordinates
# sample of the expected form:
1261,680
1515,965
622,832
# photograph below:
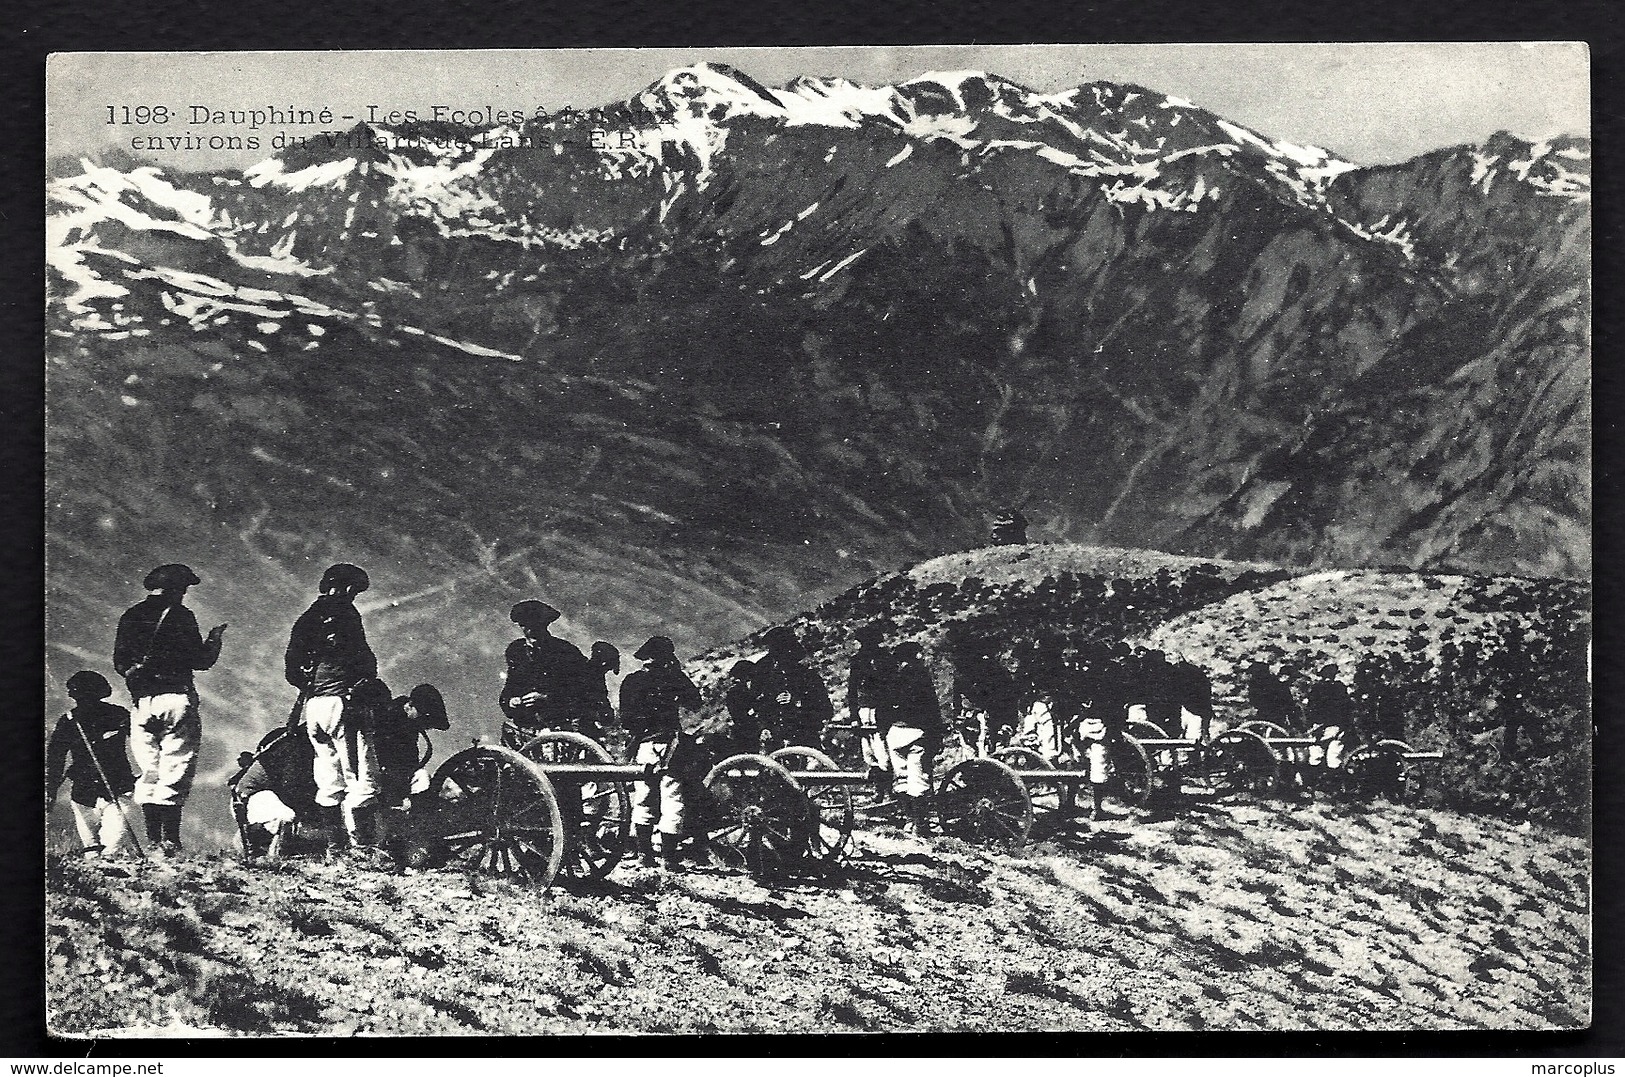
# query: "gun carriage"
561,804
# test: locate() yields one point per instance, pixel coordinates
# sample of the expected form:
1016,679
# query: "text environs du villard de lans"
482,126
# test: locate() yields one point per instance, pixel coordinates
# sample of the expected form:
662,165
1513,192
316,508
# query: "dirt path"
1242,917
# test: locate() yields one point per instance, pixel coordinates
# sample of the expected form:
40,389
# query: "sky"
1370,103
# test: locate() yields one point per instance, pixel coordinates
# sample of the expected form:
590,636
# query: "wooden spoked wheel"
1296,757
597,814
1378,769
1045,796
982,800
833,803
1143,730
1166,766
759,819
1132,777
1237,761
491,810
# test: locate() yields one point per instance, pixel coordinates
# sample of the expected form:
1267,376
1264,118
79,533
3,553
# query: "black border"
39,28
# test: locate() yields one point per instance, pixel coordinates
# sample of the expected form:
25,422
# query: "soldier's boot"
391,832
153,814
338,835
171,825
273,851
363,827
671,852
905,812
919,810
644,837
880,778
699,849
1097,791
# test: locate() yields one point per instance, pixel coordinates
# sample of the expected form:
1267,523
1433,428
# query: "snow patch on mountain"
836,102
98,195
270,172
440,184
1394,233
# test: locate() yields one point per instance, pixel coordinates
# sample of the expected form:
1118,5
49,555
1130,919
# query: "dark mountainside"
782,342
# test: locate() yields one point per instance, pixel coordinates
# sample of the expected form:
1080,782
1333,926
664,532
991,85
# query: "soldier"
1194,690
1009,528
396,729
744,723
597,715
544,684
156,651
328,660
87,748
789,696
1155,692
1098,693
865,683
1112,686
652,702
274,787
1271,699
1329,713
912,716
984,693
1381,714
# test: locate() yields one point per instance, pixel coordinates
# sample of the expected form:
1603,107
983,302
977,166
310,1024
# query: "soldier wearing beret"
652,701
788,696
985,695
328,660
912,715
865,688
545,684
156,651
87,750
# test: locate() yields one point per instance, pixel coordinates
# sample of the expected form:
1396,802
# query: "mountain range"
697,360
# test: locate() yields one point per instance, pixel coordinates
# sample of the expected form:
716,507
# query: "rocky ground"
1247,915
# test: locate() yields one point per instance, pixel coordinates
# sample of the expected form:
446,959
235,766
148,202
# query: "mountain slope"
1247,917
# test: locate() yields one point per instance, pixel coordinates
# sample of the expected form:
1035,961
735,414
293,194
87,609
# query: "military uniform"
1155,693
652,702
548,684
156,650
865,684
739,697
1195,694
1106,687
1330,714
1271,700
276,789
912,717
545,688
327,660
98,811
396,731
986,696
791,700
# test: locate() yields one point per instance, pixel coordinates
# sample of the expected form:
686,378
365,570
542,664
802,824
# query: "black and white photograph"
708,541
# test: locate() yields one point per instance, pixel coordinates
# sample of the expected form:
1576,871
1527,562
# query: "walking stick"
107,785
